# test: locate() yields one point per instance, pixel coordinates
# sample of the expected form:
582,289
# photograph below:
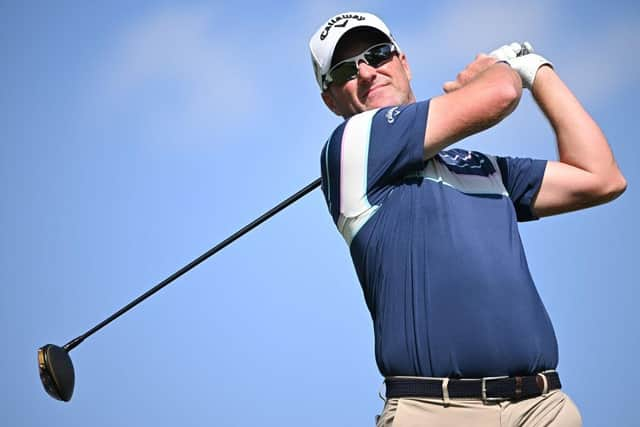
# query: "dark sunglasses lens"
348,70
378,55
344,72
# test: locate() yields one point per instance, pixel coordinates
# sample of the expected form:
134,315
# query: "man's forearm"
580,140
481,98
587,173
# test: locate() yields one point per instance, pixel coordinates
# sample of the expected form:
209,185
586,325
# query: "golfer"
461,334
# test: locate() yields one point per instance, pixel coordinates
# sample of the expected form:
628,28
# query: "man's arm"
586,173
481,96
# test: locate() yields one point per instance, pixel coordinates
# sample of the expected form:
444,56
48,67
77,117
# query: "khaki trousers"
554,409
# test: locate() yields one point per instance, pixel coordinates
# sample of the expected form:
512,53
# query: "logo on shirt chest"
392,114
466,162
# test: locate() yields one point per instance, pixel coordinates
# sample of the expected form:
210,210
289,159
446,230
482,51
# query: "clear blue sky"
136,135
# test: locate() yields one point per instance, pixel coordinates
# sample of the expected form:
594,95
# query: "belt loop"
484,391
518,390
445,392
384,382
545,387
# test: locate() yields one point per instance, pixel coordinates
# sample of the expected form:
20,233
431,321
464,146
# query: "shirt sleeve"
522,178
367,153
396,144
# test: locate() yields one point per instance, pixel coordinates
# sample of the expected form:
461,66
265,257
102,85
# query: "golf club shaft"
76,341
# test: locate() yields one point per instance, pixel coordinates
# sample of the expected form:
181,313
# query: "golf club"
55,366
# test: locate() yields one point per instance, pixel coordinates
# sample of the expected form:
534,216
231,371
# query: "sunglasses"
347,70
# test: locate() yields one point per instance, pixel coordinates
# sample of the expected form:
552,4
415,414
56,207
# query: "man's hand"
471,71
511,51
522,59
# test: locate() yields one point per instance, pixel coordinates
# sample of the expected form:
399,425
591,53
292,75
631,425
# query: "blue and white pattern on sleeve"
359,161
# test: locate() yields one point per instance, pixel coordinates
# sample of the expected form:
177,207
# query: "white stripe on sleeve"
355,208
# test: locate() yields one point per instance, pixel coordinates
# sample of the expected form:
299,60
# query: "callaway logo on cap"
324,41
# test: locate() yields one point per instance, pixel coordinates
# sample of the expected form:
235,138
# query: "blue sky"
136,135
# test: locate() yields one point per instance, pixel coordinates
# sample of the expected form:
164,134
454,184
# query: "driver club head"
56,372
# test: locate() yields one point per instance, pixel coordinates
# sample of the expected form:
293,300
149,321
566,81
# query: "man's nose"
366,71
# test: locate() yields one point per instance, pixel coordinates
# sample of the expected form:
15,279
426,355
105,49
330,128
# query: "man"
433,232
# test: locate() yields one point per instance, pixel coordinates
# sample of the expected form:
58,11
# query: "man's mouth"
372,90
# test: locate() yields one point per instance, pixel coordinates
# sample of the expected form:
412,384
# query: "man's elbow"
500,93
512,98
609,188
508,94
617,186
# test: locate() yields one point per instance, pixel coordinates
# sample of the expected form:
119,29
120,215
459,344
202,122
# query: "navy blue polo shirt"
436,248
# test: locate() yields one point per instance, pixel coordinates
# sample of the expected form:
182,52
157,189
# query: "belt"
485,389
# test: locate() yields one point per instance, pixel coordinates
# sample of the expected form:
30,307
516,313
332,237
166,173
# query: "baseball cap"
323,42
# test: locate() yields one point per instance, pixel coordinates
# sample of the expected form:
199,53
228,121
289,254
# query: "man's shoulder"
375,130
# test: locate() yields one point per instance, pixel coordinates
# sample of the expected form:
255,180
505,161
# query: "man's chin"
381,102
380,98
374,102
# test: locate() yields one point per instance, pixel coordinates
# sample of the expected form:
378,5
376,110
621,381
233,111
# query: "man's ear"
405,65
329,102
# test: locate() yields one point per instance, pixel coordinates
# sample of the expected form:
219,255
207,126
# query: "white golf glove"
522,59
509,52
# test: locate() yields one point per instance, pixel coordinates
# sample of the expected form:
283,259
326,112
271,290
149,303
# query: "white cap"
324,41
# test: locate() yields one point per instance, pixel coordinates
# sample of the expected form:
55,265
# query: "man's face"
384,86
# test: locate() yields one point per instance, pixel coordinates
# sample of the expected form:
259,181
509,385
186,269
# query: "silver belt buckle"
486,399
